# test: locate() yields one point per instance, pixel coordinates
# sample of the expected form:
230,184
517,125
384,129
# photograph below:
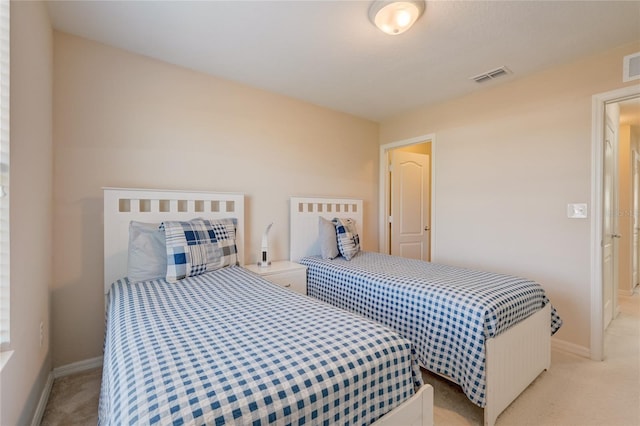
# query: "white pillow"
327,239
147,252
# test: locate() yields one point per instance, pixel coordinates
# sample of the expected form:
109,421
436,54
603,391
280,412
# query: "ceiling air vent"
490,75
631,67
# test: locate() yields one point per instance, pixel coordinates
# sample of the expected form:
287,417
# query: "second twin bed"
487,332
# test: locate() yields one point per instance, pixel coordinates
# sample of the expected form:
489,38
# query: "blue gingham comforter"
447,312
228,347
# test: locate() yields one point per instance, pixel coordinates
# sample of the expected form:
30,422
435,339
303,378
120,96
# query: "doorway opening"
627,113
407,198
615,199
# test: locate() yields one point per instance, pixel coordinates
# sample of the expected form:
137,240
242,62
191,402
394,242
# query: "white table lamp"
265,259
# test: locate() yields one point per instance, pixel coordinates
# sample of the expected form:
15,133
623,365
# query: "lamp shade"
395,17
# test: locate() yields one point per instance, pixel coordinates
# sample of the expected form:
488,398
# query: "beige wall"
507,161
419,148
23,378
125,120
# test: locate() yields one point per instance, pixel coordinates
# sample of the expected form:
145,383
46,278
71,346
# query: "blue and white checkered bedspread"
447,312
227,347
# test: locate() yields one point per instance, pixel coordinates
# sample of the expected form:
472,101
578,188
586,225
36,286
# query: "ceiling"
328,52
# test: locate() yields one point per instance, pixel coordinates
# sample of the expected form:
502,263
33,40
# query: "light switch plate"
577,210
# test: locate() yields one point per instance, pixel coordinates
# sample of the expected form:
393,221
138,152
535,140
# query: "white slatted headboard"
122,205
303,221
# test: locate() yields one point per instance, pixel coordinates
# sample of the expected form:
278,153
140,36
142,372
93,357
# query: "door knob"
616,236
427,228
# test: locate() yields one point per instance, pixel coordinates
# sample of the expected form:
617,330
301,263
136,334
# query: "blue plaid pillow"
199,246
348,239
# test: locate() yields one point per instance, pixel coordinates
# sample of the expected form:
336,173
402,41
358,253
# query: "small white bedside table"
284,273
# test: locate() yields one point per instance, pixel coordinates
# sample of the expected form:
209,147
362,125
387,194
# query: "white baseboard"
42,404
572,348
77,367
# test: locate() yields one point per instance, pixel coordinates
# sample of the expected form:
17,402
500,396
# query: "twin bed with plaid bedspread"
447,312
227,347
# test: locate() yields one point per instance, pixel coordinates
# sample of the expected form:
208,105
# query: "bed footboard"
416,411
514,359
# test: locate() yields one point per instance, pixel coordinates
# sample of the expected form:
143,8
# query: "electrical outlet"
41,333
577,211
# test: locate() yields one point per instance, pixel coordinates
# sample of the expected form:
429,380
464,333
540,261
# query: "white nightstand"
286,274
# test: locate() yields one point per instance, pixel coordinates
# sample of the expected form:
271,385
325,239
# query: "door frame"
635,231
383,220
598,103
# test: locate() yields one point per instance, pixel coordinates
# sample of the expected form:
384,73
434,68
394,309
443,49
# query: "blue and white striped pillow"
348,239
199,246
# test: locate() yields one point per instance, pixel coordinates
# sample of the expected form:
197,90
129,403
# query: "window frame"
5,292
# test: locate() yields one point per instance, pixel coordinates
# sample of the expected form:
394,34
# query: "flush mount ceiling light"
395,17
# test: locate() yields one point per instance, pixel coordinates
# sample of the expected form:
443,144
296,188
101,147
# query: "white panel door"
609,231
410,192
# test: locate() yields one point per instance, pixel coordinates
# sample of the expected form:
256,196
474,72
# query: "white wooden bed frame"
513,359
122,205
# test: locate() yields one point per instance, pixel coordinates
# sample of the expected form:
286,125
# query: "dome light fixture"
395,17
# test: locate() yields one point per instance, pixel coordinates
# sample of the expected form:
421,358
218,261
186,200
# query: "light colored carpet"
574,392
74,400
